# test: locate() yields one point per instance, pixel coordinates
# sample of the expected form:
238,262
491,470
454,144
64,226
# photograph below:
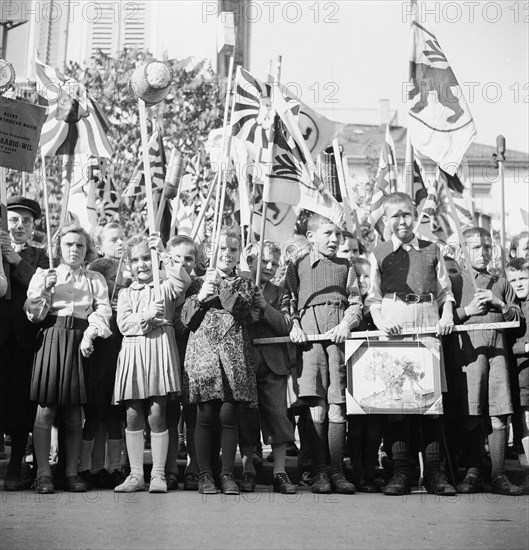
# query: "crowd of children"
96,347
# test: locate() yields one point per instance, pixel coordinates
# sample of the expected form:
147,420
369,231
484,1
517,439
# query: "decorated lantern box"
393,377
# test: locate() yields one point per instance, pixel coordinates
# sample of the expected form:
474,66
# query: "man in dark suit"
272,364
17,334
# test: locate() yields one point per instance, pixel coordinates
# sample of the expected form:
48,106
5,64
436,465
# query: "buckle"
410,297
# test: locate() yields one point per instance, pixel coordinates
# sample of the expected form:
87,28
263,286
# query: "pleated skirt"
148,366
58,375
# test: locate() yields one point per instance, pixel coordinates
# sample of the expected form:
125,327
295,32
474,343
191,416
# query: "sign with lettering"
20,128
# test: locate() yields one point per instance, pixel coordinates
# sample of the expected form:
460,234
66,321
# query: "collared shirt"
18,247
374,295
78,293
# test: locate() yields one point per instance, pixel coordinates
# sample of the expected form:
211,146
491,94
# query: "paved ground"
103,519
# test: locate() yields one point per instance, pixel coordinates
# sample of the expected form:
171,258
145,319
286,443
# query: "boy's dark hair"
182,239
517,264
348,235
396,198
475,230
316,220
105,266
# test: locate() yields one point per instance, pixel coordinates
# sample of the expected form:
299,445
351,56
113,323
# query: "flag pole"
341,182
67,162
148,191
459,232
268,166
3,215
47,211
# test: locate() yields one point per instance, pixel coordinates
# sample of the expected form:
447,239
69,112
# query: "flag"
157,163
74,124
440,124
82,199
419,178
252,119
436,210
107,197
386,182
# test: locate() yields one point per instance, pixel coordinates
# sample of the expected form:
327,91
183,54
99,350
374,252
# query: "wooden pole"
148,190
67,163
5,227
378,333
198,222
408,166
47,212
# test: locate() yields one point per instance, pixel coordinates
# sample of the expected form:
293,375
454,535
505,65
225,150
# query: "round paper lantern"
151,82
7,75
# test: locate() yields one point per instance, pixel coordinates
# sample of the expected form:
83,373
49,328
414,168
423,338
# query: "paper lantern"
151,82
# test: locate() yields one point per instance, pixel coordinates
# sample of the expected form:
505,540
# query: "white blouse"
79,293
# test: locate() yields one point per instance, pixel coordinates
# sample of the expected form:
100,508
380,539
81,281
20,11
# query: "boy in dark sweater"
322,297
409,286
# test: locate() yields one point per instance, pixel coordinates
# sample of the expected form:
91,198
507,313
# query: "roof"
365,140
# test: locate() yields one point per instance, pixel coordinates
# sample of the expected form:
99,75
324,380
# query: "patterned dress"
218,360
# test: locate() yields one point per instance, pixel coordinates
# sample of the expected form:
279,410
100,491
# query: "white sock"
135,448
86,453
114,451
159,446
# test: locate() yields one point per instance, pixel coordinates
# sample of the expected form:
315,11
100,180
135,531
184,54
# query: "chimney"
384,111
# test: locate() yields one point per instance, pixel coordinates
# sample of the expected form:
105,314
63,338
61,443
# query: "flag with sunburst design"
74,124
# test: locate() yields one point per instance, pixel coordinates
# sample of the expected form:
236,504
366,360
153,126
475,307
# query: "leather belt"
410,297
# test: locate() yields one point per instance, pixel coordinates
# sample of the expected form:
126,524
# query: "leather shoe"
172,481
398,485
471,483
117,477
100,480
321,484
228,485
247,484
365,485
206,484
341,486
87,477
15,483
75,484
282,484
191,482
437,484
502,486
43,485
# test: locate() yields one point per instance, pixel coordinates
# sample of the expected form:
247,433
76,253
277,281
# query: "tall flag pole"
341,181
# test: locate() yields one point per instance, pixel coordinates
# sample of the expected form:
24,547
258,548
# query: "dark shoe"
341,486
270,457
206,484
502,486
228,485
247,484
75,484
101,479
398,485
87,477
181,452
172,481
43,485
191,482
306,479
365,485
525,486
471,483
116,477
437,484
282,484
14,483
292,450
322,484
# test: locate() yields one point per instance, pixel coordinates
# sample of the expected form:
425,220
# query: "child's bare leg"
173,417
248,431
42,438
115,441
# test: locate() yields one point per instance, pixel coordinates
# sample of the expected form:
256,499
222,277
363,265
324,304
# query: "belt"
409,297
66,322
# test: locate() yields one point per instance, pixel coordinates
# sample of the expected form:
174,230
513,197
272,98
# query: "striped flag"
157,163
419,181
386,182
74,124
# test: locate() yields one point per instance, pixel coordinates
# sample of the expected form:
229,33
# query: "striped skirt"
148,366
58,377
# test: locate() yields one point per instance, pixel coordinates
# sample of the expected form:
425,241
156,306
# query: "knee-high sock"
114,454
98,451
159,446
86,453
41,443
72,439
190,417
336,444
317,436
497,441
207,416
135,447
228,436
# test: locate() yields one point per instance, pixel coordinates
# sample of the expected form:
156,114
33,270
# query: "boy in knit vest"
409,286
322,297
